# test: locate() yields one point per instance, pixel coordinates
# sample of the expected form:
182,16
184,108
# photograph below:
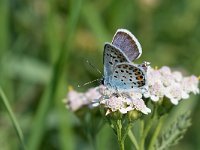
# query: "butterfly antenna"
88,82
94,67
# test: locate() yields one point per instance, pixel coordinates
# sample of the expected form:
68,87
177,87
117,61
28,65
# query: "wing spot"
122,70
116,72
110,63
115,76
137,73
124,77
139,77
125,66
130,79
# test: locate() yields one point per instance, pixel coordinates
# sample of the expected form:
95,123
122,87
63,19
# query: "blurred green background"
44,46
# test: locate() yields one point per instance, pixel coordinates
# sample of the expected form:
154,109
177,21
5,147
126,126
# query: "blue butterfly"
119,72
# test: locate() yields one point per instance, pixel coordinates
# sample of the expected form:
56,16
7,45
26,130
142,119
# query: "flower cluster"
76,100
103,96
123,102
163,82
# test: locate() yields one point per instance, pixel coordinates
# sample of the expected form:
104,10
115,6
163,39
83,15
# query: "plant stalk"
119,135
133,139
156,133
13,118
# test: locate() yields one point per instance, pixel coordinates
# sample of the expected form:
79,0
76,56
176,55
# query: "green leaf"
174,133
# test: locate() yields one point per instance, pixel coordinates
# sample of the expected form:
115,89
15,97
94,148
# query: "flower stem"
147,127
119,135
142,135
157,131
12,117
133,139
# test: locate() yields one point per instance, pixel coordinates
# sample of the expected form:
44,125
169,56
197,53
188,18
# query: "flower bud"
133,115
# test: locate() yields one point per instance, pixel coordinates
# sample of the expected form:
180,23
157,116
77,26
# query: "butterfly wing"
128,77
128,43
111,57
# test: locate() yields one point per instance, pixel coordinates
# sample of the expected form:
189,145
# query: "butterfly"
119,72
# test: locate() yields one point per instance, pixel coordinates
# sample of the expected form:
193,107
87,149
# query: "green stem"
129,126
156,132
133,139
13,119
148,127
92,141
142,135
119,135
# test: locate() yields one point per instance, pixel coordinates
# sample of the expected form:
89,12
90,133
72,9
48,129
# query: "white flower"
153,75
156,91
75,100
134,95
167,79
177,76
103,90
175,93
166,76
138,103
124,103
93,93
93,96
165,70
163,82
190,84
115,103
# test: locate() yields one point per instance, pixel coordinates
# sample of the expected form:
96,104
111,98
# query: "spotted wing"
112,56
128,77
128,43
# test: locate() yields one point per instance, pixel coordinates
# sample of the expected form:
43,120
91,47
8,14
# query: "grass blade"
13,118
